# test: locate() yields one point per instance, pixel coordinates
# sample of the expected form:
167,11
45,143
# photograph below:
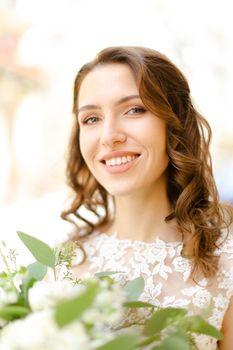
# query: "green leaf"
137,304
176,341
13,311
106,273
162,318
28,283
134,288
122,342
198,325
68,310
37,270
148,340
40,250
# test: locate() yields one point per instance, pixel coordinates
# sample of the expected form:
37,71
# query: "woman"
139,163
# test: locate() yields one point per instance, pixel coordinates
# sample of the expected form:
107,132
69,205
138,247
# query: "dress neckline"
157,241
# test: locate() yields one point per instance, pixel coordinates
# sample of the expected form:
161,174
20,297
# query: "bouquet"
89,314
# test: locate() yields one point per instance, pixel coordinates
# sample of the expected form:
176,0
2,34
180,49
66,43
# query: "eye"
90,120
136,110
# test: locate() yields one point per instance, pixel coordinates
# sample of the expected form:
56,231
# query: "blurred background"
42,45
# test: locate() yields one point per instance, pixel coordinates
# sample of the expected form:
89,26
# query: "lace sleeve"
225,274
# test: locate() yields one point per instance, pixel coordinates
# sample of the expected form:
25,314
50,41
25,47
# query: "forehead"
107,80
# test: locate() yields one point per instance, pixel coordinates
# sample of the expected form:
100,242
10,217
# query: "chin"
121,191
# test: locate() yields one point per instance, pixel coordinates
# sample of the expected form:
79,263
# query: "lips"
119,162
117,157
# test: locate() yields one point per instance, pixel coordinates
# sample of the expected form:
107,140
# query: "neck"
141,216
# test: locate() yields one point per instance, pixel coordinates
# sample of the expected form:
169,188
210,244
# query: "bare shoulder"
227,342
225,277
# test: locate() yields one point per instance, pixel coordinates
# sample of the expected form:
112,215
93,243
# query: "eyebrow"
119,102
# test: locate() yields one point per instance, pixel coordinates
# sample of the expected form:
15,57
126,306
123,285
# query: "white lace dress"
166,275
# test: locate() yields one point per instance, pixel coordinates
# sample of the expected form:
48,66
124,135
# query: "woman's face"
122,143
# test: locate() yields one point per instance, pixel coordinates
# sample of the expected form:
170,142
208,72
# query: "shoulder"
227,341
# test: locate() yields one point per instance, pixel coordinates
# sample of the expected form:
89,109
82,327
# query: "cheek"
83,144
156,133
87,146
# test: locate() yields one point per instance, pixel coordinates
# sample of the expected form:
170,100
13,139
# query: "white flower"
107,307
7,297
39,331
2,322
45,295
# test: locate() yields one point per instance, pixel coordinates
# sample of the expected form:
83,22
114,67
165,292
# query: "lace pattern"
166,274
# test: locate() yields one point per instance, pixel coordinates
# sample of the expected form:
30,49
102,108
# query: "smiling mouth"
116,161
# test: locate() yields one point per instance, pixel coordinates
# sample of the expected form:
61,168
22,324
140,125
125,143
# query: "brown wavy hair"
191,188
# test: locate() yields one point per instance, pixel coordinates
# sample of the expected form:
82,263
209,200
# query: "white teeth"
113,161
120,160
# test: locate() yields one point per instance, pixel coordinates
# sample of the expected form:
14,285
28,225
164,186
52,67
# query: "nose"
112,134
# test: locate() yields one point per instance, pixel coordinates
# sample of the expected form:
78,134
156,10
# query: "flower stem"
8,270
54,274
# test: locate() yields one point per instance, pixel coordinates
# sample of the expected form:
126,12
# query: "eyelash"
86,121
137,110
